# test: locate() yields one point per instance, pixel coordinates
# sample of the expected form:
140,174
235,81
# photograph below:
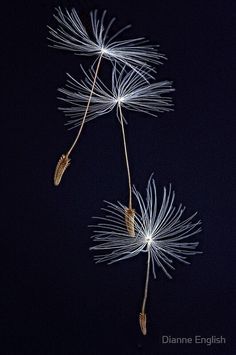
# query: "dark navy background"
54,299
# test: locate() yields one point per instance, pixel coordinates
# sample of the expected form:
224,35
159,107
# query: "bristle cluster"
164,232
128,88
70,34
62,165
129,221
143,323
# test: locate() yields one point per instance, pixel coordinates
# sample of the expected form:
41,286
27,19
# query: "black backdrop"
55,300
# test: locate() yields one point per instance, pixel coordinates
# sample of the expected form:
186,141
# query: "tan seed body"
129,221
62,165
143,323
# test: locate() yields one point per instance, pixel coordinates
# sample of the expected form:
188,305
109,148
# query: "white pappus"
129,90
72,35
161,232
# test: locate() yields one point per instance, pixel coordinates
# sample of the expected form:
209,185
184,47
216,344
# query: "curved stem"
146,282
126,156
87,107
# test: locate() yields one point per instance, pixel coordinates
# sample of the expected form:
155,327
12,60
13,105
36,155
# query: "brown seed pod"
129,221
143,323
62,165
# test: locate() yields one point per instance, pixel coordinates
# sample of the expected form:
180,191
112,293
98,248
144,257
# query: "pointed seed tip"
61,166
143,323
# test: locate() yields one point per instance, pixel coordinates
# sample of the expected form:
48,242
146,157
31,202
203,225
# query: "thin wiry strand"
158,231
72,35
128,89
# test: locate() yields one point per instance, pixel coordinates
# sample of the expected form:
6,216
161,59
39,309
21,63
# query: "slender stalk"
142,315
87,107
126,156
146,282
64,160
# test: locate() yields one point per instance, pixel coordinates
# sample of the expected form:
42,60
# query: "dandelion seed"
61,167
161,233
